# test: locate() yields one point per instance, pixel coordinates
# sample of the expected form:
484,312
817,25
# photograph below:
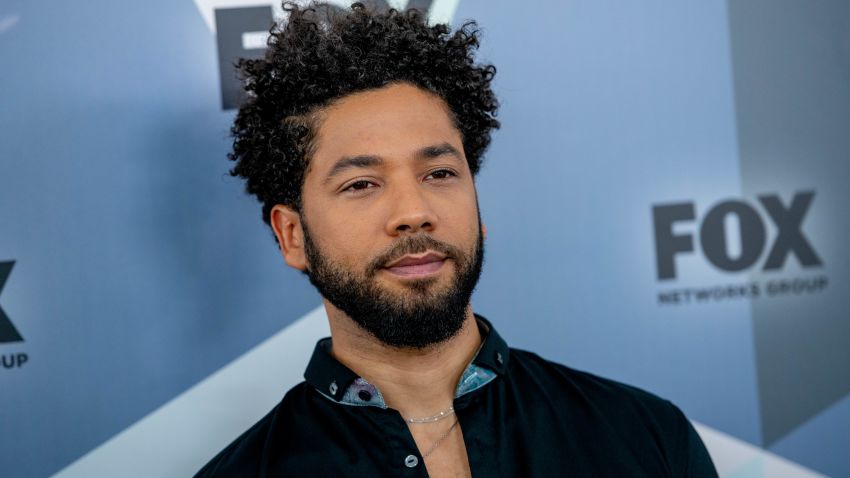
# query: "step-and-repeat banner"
667,204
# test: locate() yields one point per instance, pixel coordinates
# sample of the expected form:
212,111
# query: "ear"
286,224
483,231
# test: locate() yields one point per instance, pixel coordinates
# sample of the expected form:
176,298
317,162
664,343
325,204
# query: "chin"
421,285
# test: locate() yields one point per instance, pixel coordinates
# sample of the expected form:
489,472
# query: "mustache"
412,245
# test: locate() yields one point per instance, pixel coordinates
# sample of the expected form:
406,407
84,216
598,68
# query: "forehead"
391,121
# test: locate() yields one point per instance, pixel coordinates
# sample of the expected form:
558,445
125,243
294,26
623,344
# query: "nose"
411,212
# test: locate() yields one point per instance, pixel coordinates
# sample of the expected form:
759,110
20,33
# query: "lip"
416,259
417,265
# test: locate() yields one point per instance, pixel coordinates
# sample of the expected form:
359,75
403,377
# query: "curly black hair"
324,53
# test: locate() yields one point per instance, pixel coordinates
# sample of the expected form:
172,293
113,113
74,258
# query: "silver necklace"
439,440
433,418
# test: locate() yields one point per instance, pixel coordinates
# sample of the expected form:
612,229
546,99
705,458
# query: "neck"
416,382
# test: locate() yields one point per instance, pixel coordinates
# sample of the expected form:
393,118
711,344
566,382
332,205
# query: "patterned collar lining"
362,393
339,384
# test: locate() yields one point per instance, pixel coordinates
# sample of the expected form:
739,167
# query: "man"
362,136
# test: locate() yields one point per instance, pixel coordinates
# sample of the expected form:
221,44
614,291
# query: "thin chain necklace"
433,418
440,440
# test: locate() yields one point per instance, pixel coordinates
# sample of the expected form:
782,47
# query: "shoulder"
607,408
575,385
245,455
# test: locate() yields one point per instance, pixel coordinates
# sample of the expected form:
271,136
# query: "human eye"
359,186
440,174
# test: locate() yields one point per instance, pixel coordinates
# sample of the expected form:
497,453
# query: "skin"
360,211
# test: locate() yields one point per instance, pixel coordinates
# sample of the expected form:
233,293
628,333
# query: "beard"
421,316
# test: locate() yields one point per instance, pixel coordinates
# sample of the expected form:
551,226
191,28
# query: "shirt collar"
340,384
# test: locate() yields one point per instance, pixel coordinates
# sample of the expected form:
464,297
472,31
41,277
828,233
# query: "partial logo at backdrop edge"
8,332
242,29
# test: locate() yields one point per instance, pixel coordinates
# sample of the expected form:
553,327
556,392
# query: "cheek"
339,233
348,240
461,215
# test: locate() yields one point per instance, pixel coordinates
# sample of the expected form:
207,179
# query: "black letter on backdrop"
668,245
230,24
713,236
790,238
8,333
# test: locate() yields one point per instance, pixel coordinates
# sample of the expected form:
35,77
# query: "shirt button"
364,395
411,461
332,388
499,358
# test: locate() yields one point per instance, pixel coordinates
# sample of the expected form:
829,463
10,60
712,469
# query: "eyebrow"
369,161
433,152
351,162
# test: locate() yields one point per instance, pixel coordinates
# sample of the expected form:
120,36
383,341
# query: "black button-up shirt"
521,416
